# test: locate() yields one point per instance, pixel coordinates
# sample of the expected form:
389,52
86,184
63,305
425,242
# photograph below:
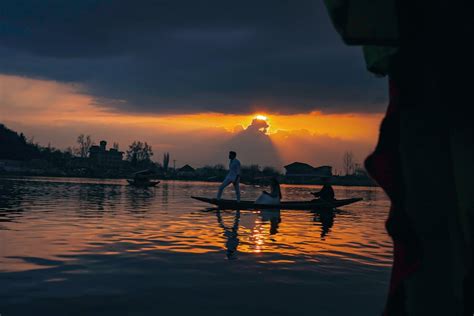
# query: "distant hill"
14,146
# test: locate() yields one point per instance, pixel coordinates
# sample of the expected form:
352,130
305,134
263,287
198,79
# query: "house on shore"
186,171
299,172
100,157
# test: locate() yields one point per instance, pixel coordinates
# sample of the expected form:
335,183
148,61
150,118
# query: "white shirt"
234,169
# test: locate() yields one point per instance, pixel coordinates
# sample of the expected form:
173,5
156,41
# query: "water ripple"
71,227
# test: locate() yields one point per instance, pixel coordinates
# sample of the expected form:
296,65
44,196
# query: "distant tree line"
350,165
14,146
249,174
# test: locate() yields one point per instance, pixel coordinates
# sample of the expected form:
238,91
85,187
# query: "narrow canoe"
289,205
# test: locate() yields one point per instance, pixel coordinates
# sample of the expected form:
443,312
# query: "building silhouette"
186,171
299,172
100,157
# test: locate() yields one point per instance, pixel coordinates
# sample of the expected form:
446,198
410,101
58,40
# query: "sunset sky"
188,77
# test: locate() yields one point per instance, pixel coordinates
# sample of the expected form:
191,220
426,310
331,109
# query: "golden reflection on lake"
53,218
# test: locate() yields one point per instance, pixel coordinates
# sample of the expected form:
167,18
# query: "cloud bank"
181,56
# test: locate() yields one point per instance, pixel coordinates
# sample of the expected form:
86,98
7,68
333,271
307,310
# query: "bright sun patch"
261,117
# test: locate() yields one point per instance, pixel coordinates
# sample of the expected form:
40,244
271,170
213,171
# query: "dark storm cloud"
190,56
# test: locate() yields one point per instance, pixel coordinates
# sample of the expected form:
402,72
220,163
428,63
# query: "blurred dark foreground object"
424,159
365,22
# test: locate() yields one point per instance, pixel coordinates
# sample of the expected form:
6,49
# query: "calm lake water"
100,247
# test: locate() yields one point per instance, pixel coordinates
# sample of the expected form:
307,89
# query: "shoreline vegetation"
22,157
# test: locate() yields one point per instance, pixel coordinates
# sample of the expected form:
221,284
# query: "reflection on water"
272,216
56,225
326,220
230,233
80,212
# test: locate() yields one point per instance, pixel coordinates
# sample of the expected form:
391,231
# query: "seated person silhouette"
272,198
327,192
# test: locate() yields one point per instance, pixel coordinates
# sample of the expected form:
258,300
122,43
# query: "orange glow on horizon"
41,102
57,112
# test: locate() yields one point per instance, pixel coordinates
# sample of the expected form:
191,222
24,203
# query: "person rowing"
272,198
233,176
327,192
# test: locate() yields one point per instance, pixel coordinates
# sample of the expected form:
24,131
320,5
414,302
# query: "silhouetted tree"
270,172
69,151
23,139
250,172
212,172
166,161
139,153
85,143
115,146
348,163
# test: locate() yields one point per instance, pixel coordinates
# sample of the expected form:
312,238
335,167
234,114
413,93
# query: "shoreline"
336,180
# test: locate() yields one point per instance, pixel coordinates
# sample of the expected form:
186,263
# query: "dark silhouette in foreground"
420,46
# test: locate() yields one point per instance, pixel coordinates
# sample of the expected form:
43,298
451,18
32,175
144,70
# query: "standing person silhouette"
233,176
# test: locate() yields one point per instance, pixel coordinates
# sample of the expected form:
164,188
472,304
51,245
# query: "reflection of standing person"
232,177
272,198
231,234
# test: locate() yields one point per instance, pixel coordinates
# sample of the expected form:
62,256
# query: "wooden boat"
142,179
289,205
142,184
